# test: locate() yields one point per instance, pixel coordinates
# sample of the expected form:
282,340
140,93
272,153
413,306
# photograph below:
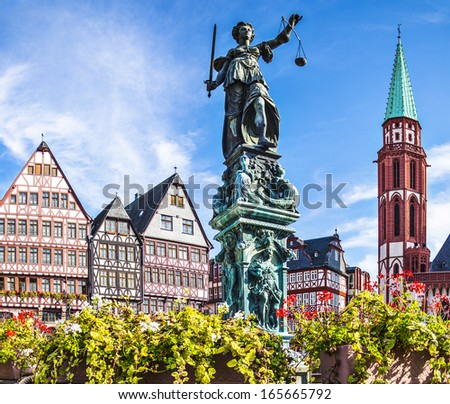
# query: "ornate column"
252,212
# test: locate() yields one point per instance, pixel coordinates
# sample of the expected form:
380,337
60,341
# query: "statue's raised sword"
211,66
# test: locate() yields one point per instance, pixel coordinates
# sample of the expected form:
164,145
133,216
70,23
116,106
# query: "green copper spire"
401,99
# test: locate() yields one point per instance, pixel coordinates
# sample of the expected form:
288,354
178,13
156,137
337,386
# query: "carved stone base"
252,212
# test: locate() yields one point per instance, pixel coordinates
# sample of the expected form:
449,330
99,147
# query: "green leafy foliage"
22,340
375,330
118,346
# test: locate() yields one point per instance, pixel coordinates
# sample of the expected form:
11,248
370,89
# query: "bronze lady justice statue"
251,116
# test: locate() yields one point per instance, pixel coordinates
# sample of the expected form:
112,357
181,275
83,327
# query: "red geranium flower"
282,312
417,287
310,314
324,296
10,333
291,299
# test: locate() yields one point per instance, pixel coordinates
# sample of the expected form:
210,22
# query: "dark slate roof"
442,260
114,210
350,270
317,253
142,209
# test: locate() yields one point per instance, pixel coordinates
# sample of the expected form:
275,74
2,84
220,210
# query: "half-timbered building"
115,256
176,248
215,286
318,266
356,282
43,241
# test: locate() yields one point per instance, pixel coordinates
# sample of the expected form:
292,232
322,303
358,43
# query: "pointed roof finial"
175,168
43,146
399,36
401,99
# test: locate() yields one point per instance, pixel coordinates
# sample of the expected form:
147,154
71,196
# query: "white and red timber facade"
215,286
43,242
54,258
318,266
175,247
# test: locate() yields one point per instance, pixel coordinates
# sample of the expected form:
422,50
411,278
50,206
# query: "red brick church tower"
402,196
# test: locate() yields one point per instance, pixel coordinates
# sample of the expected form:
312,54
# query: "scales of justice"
256,204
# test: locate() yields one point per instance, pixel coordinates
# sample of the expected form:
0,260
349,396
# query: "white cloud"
438,226
359,193
438,158
363,232
103,95
369,264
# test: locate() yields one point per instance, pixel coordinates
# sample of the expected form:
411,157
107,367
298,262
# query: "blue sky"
117,89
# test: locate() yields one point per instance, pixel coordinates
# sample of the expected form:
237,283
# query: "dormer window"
176,200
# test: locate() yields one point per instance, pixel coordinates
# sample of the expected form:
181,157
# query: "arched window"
396,270
396,173
423,265
412,220
396,218
414,263
412,174
383,180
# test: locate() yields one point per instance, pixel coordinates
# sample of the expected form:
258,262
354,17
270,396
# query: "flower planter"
9,372
336,367
223,375
406,368
79,374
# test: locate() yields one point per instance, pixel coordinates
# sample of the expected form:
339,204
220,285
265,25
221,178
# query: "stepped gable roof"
441,262
401,99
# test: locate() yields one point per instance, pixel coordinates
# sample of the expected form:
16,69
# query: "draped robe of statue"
243,84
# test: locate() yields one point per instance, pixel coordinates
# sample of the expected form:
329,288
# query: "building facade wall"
116,261
43,242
